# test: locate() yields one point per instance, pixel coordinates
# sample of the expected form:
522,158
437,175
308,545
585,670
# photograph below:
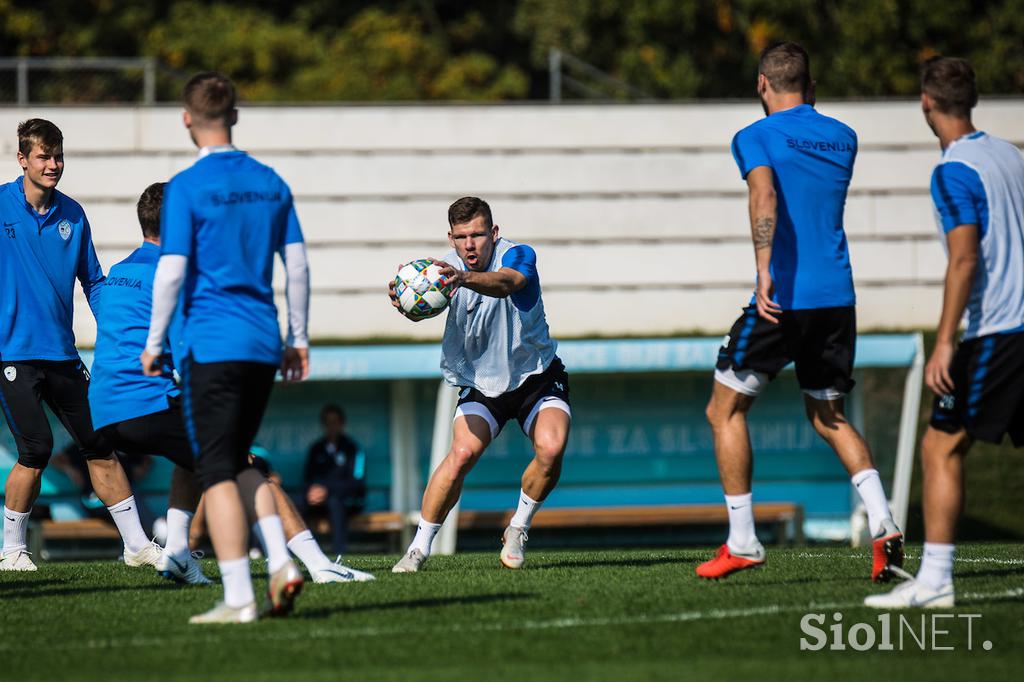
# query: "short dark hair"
39,131
787,67
210,97
950,82
148,209
467,208
331,408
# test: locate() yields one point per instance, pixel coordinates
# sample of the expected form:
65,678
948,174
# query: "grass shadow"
432,603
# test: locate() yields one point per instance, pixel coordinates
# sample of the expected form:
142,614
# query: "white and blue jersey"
811,157
229,214
495,344
41,256
980,181
119,391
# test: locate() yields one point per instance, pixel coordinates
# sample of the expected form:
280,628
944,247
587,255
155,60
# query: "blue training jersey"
119,391
229,214
980,181
811,157
41,256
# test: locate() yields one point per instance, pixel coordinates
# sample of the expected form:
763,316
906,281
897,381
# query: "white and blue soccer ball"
421,290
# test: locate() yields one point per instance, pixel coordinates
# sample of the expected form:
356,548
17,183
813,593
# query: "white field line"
964,560
253,634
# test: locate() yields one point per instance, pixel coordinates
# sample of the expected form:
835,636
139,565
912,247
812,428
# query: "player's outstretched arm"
90,274
167,282
295,364
499,283
763,205
962,242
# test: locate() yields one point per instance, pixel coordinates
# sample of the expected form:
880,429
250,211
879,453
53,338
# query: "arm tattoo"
764,232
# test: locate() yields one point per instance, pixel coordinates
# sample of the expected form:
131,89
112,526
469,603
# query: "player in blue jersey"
46,244
498,352
798,165
978,191
224,218
141,414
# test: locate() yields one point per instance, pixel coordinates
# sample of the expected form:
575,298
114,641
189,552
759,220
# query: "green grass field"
604,615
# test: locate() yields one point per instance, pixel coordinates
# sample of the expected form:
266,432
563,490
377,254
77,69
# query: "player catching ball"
798,165
498,352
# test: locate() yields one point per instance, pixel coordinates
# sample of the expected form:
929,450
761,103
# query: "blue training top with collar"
119,391
229,214
811,157
41,256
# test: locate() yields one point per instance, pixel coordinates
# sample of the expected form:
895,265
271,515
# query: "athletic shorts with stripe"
547,390
223,405
64,387
821,343
988,390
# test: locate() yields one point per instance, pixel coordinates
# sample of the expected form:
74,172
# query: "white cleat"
18,560
222,614
147,556
513,549
187,572
412,562
913,594
338,573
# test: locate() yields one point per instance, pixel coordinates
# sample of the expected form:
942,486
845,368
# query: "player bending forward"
497,351
223,220
978,190
798,165
46,243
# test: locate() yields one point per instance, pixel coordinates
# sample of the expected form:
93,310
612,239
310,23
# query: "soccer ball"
421,290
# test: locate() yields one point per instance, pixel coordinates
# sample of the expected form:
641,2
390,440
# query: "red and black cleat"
887,553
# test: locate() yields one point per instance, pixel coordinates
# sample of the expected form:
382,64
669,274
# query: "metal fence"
86,80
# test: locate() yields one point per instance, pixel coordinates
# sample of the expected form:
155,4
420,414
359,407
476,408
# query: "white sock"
237,580
15,525
178,523
425,533
936,565
525,511
305,546
271,534
741,523
126,517
869,487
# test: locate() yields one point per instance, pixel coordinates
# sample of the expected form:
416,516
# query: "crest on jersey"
11,372
64,229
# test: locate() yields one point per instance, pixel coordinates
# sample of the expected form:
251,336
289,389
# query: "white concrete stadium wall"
637,211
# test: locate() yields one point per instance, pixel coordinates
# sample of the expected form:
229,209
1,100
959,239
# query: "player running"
223,220
978,191
497,351
798,165
45,245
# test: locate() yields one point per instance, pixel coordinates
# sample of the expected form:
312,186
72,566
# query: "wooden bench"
786,517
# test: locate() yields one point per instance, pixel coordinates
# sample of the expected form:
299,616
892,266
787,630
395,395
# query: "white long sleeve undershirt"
296,268
167,282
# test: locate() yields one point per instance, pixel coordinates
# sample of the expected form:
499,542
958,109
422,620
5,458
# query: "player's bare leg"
229,534
21,492
829,420
303,544
111,485
727,414
942,466
286,580
549,434
470,437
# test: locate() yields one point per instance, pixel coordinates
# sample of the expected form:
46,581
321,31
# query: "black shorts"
988,390
223,405
821,342
550,388
160,433
64,386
